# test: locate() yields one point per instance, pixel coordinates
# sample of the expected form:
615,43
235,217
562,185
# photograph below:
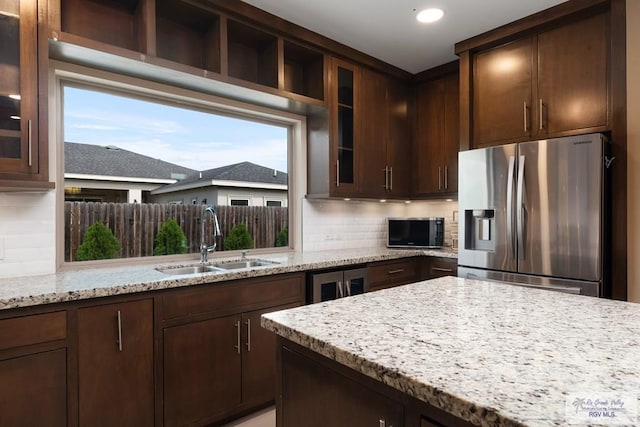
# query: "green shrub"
238,238
170,239
283,238
98,243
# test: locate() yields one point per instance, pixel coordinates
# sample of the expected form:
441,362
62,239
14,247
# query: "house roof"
252,175
243,172
87,159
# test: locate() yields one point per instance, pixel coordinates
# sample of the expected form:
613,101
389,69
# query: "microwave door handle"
510,235
520,217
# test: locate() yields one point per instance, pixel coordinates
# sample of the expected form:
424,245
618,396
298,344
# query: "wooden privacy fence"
135,225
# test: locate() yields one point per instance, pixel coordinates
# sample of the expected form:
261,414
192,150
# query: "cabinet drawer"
438,267
234,296
393,272
34,329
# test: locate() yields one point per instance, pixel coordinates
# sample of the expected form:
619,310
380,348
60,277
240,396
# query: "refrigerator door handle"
510,235
520,217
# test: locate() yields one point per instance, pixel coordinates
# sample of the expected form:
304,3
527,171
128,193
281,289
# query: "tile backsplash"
337,224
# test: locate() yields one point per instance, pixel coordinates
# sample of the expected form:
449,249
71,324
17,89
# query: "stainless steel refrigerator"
534,213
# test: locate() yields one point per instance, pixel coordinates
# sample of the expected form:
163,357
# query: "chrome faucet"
204,247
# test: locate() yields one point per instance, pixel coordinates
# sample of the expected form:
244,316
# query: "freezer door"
486,190
559,207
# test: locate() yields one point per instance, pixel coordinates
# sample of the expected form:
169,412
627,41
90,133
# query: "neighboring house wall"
223,196
134,190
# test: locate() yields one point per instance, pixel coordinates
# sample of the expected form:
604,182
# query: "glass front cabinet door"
19,157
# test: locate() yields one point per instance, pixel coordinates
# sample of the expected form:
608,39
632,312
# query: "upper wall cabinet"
385,144
361,148
22,162
200,39
551,84
436,146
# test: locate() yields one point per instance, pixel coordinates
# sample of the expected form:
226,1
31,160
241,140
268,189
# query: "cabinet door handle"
526,124
386,177
439,178
248,323
338,173
446,177
119,331
400,270
541,106
446,270
390,177
30,150
237,346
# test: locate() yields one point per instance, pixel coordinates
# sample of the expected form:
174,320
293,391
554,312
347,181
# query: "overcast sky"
188,138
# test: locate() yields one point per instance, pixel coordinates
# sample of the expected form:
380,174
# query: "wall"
27,224
335,224
633,147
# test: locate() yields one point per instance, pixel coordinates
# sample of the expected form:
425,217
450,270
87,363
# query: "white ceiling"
388,30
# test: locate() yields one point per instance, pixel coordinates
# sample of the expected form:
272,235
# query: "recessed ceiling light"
430,15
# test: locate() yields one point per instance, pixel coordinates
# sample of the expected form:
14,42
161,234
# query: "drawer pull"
119,331
237,346
446,270
400,270
248,334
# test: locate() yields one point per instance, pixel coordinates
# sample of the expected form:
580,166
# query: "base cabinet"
202,364
34,390
433,267
115,364
217,361
388,274
316,396
314,391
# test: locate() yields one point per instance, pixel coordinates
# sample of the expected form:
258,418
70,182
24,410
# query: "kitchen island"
469,352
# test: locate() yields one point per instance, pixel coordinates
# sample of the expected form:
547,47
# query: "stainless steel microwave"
415,232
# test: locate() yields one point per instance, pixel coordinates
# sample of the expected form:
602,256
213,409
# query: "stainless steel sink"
194,269
220,267
235,265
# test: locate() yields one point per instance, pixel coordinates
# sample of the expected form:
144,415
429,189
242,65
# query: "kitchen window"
134,158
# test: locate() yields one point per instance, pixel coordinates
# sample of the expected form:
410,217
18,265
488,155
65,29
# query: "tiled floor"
264,418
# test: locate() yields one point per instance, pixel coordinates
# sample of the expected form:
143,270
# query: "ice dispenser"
481,226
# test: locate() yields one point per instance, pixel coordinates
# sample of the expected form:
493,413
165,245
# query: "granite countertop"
489,353
107,281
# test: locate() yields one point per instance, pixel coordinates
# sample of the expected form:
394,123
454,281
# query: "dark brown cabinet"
209,41
387,274
20,154
385,149
33,370
572,76
344,131
217,359
437,137
317,396
202,364
554,83
34,390
433,267
115,364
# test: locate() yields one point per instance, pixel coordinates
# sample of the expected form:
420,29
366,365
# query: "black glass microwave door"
409,233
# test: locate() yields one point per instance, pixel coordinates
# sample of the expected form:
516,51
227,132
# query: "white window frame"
62,73
266,202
